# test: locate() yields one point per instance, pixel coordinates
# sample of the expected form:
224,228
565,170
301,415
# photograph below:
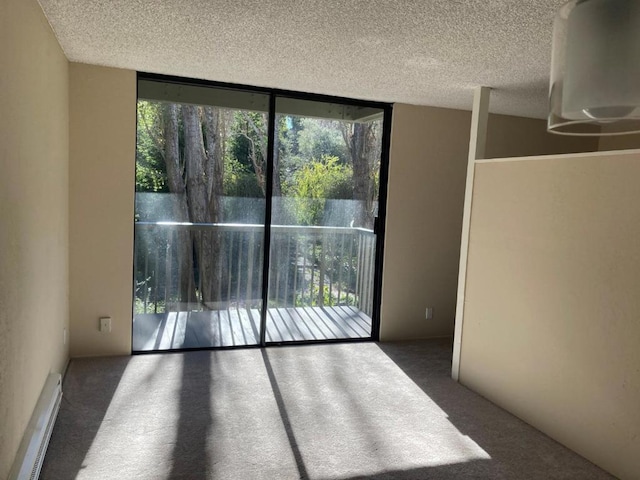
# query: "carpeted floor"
340,411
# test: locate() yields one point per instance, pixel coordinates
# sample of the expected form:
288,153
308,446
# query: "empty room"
319,240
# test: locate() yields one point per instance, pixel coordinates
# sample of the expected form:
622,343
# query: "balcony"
200,285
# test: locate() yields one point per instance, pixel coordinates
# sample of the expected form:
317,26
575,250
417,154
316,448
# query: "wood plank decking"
238,327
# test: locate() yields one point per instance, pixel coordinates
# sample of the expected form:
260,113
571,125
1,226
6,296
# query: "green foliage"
314,183
150,179
289,128
320,138
329,299
244,140
240,150
149,307
151,173
239,180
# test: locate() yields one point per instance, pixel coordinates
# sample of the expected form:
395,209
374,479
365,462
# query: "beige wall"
101,192
427,169
619,142
427,173
34,152
509,136
551,328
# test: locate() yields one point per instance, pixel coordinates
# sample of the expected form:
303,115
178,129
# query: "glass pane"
199,213
325,198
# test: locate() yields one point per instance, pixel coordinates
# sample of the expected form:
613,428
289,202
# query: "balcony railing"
195,267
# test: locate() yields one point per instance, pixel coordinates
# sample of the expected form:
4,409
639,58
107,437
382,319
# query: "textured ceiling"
425,52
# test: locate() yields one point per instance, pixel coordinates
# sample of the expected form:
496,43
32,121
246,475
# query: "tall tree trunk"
195,165
198,198
175,180
359,142
215,175
257,136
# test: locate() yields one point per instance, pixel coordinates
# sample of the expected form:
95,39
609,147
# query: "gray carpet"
340,411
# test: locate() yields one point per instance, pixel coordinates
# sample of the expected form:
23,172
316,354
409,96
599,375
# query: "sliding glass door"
255,217
200,213
324,209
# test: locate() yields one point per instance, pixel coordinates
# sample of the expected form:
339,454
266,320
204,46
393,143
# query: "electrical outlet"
64,336
429,313
105,324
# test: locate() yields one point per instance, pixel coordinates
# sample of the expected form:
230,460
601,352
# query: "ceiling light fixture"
595,68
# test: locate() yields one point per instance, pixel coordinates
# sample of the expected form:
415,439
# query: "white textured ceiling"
429,52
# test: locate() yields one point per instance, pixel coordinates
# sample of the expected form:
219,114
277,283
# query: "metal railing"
185,266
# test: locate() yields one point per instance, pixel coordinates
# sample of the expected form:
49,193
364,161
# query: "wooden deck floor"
238,327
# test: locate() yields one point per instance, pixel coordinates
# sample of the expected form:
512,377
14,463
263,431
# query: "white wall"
34,152
509,136
428,164
551,328
619,142
427,171
101,192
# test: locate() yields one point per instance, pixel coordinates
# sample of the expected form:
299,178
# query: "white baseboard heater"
34,444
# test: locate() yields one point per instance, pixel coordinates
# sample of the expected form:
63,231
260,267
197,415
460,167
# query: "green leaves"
151,173
314,183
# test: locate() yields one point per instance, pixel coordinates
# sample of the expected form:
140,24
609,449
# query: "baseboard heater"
34,444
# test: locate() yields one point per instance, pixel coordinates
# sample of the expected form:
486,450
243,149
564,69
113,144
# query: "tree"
203,176
150,168
175,181
253,129
180,150
314,183
198,154
320,137
364,151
